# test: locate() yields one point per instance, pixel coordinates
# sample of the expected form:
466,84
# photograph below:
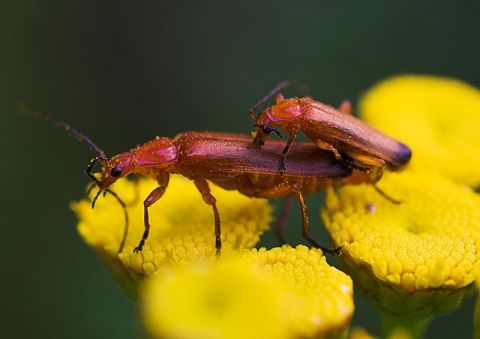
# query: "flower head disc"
359,333
415,258
280,293
182,225
438,118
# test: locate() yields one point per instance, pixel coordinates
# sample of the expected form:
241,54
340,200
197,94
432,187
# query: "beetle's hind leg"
285,190
284,211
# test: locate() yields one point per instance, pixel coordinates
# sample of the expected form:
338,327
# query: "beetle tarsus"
218,246
335,251
139,247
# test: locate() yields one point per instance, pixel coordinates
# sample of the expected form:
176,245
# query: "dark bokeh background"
124,72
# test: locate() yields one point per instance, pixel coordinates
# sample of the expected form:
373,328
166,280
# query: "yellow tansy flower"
182,225
413,259
438,118
476,317
280,293
360,333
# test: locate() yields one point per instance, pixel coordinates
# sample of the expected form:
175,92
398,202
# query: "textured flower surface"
426,246
413,260
192,293
279,293
360,333
419,257
182,227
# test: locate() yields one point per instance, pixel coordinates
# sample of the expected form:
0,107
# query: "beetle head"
116,168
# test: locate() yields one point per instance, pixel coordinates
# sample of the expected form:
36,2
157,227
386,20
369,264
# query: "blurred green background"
123,72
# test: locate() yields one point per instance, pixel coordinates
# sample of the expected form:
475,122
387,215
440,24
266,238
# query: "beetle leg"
279,98
386,196
306,230
209,199
153,197
328,147
379,164
293,130
286,204
350,160
282,167
289,189
346,107
371,161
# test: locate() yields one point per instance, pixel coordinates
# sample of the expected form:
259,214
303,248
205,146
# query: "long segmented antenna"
29,109
284,84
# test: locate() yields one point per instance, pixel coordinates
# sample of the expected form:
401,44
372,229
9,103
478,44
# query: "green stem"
413,327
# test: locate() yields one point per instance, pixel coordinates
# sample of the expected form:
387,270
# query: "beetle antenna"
301,88
29,109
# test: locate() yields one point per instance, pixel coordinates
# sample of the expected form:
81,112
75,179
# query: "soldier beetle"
330,129
231,161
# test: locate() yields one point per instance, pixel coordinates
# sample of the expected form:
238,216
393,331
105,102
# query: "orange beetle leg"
289,189
209,199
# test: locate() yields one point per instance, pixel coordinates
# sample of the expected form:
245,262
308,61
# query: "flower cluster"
413,260
420,257
189,292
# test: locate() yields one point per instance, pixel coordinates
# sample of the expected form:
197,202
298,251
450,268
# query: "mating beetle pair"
344,151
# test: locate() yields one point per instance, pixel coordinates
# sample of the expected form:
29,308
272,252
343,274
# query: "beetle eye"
116,172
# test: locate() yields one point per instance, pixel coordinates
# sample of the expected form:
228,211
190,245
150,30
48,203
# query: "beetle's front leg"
282,168
209,199
152,198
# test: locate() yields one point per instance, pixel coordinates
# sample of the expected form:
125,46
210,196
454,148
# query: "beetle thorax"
159,153
287,110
